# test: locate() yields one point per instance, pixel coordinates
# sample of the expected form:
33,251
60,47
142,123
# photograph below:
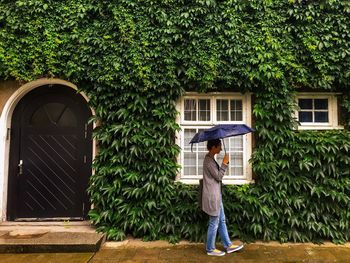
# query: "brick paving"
252,253
160,251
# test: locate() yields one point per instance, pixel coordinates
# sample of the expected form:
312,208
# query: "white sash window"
202,111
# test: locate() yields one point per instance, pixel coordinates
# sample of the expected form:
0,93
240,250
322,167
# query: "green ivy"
346,106
134,60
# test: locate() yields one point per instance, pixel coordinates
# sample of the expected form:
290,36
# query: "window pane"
204,110
40,118
234,147
188,134
190,111
305,116
189,171
237,171
235,167
321,116
236,143
222,110
305,104
193,160
190,159
202,146
190,163
54,110
54,114
321,104
236,162
236,110
67,119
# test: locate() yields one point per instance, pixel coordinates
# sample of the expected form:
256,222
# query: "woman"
212,200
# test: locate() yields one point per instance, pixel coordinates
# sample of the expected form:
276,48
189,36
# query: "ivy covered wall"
135,59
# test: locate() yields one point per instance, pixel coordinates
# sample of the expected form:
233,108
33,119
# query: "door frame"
5,135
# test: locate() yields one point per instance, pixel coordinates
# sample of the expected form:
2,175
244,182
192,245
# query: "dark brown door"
50,155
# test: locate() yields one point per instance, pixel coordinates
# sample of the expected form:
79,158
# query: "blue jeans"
217,223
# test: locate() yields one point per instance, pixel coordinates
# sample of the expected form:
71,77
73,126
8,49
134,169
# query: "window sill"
317,127
225,182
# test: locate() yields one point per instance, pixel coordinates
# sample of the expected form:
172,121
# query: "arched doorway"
50,155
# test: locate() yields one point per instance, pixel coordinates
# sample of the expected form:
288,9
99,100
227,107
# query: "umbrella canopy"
221,131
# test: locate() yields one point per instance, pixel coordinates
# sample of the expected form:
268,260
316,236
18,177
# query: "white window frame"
247,139
198,122
244,112
332,112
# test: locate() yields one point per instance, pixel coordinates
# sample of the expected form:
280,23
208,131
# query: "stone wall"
7,88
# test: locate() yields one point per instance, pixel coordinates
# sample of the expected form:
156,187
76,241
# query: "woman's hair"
212,143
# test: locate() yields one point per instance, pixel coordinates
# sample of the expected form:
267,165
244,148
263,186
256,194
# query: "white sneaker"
234,248
216,252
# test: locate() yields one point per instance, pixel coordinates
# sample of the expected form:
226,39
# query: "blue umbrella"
221,131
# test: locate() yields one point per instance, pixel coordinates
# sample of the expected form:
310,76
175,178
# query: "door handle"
20,167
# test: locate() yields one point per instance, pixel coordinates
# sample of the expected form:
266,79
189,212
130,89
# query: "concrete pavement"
46,258
49,237
160,251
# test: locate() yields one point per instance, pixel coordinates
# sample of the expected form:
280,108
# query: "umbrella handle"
223,142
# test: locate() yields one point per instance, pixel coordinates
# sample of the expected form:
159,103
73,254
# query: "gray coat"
212,176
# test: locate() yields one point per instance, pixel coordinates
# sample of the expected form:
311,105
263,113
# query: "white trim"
247,139
248,151
316,127
5,124
213,97
224,182
332,111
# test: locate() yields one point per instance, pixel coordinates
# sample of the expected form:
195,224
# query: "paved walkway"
136,251
48,237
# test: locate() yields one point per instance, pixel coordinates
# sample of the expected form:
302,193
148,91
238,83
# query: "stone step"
46,239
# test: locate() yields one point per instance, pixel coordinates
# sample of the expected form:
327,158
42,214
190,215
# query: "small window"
313,111
56,114
317,111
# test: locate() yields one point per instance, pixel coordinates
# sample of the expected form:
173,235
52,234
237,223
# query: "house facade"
47,147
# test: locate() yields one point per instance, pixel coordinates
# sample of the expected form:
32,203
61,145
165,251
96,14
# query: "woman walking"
212,200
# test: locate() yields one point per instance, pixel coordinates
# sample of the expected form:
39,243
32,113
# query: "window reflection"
56,114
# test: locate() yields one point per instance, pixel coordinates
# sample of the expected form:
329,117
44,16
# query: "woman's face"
217,149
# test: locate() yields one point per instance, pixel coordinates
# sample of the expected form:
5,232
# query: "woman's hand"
226,159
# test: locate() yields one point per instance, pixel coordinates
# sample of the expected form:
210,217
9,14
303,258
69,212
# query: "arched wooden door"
50,155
